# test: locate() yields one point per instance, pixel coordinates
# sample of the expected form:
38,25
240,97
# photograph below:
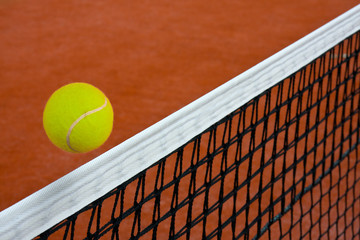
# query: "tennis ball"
78,118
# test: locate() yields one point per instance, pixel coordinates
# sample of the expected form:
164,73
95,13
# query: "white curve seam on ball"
78,120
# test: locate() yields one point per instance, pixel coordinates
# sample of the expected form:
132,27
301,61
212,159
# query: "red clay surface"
149,57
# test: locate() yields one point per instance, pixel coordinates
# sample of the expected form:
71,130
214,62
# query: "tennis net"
275,155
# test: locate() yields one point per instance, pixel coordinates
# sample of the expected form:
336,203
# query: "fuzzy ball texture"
78,118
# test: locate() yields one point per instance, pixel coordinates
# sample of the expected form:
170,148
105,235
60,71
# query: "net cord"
62,198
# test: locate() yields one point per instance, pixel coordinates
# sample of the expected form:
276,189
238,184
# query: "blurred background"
149,57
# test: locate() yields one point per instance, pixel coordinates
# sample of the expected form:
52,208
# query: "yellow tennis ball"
78,118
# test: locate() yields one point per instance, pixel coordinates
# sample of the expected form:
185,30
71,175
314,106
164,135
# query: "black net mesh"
284,166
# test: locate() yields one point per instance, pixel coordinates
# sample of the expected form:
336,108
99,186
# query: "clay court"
150,59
